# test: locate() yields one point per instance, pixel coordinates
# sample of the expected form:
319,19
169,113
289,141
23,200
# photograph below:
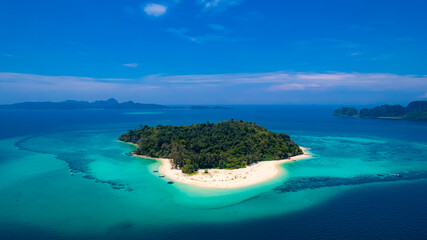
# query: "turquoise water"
113,195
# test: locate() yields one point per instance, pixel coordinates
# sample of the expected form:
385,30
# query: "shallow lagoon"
112,195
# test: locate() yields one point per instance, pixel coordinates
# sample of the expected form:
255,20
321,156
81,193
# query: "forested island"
346,112
230,144
416,110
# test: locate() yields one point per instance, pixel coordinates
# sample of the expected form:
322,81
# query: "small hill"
346,112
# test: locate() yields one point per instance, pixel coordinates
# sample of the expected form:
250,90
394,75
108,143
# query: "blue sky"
214,51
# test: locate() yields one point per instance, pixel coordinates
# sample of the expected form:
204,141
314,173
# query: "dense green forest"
390,111
230,144
416,110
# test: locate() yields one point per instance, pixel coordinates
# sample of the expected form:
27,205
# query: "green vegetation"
346,112
384,111
416,110
416,115
230,144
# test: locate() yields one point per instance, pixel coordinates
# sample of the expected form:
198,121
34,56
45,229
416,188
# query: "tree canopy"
230,144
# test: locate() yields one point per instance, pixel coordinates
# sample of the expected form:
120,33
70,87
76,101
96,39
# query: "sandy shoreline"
222,178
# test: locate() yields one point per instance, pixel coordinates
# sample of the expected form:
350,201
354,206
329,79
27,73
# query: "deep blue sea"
348,190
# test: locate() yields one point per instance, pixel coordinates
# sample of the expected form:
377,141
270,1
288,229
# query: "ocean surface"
348,190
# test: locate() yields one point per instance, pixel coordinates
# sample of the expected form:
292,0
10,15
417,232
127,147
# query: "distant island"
212,147
346,112
108,104
416,110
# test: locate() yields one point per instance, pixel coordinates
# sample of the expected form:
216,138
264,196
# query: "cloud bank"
218,4
236,88
131,65
154,9
282,81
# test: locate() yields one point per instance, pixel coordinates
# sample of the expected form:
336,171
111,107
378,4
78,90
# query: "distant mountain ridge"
100,104
416,110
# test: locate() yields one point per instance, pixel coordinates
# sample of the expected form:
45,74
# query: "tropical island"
223,155
416,110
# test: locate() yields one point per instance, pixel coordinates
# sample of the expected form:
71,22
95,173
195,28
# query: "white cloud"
131,65
154,9
217,27
213,3
284,81
294,86
269,87
218,4
21,86
329,42
184,34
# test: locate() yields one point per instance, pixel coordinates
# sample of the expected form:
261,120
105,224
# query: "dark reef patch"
302,183
76,161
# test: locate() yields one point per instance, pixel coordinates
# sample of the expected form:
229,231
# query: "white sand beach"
222,178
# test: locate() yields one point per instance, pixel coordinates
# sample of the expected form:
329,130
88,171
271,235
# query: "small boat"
162,176
155,171
71,173
379,175
170,182
397,175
